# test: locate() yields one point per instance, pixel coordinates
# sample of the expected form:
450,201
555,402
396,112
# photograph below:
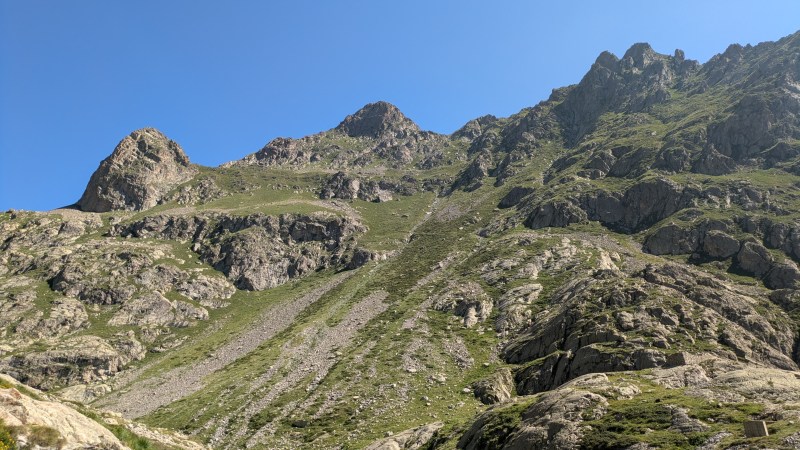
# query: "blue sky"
224,78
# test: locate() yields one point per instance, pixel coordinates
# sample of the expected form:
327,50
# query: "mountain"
142,169
614,267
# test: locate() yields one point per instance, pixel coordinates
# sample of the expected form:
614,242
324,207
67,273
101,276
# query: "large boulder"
555,214
719,245
754,258
141,171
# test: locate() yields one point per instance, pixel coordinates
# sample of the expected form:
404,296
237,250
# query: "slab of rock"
74,430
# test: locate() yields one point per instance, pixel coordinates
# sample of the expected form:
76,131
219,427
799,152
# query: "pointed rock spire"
641,55
378,120
143,168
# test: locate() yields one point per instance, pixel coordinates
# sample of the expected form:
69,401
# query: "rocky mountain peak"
607,60
141,170
377,120
640,55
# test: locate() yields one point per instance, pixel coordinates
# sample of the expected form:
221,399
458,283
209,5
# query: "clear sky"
224,78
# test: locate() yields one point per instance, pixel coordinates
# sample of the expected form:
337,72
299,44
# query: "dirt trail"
144,397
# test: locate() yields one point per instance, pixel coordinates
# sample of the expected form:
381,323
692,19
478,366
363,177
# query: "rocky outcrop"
514,196
471,177
711,162
497,388
577,337
65,316
754,259
719,245
555,214
467,301
707,239
409,439
343,186
755,124
48,424
77,360
205,190
207,290
514,306
553,421
38,420
673,240
138,175
258,252
640,79
155,309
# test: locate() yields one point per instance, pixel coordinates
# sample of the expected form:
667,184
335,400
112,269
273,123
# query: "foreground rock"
36,420
48,424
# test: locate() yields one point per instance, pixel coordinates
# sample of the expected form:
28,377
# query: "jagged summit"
377,120
384,135
143,168
641,55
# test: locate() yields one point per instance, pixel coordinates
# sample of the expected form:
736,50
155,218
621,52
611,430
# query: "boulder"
555,214
672,240
497,388
754,259
783,275
514,196
719,245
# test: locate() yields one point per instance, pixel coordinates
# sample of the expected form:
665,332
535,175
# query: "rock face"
257,252
143,168
346,187
496,389
78,360
571,341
